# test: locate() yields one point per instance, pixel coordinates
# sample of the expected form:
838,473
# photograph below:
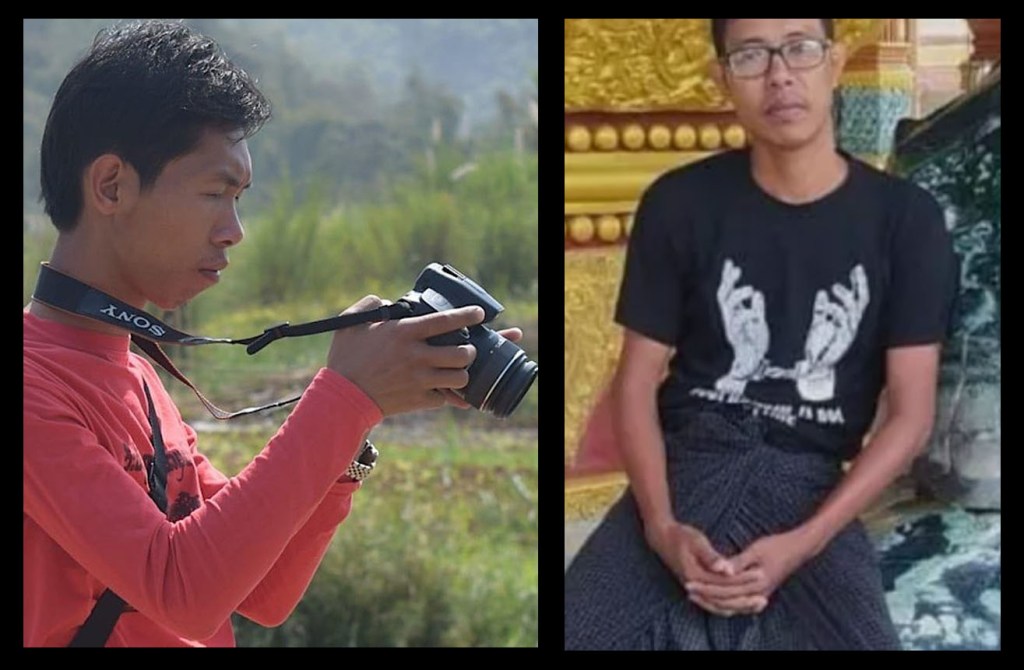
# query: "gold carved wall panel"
592,340
645,64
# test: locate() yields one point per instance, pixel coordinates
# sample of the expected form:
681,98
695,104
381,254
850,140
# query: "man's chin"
791,138
168,304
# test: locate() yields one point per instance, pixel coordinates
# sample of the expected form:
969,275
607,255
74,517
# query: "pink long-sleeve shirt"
249,543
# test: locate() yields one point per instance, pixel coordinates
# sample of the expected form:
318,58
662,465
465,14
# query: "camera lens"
500,375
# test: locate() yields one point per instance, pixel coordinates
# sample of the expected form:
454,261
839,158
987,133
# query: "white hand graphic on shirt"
745,327
833,328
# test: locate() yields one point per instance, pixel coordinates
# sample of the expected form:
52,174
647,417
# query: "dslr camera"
501,374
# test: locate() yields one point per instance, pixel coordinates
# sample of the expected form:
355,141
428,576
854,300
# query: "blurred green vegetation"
440,548
356,101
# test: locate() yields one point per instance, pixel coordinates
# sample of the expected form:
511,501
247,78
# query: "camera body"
501,374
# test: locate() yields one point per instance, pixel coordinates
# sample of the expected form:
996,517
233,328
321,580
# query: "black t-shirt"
786,310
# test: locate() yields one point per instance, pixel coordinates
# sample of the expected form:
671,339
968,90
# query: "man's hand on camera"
510,334
393,364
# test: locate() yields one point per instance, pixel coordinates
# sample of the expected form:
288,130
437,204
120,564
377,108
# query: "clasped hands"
741,584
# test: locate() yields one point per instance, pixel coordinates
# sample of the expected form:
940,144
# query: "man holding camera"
143,159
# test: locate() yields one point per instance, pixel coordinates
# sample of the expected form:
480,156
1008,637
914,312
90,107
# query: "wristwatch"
364,462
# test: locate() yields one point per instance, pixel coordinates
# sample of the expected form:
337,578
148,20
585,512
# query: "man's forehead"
220,155
236,168
768,30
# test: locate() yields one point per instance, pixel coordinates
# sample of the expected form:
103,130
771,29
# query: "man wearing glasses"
784,285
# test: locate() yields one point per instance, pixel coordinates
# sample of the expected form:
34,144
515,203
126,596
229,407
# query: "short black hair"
718,33
146,91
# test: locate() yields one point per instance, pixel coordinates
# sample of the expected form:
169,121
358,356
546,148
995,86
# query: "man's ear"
110,183
838,55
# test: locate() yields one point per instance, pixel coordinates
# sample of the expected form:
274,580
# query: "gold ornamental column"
877,88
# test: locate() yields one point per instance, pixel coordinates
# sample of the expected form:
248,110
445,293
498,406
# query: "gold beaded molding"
584,230
651,134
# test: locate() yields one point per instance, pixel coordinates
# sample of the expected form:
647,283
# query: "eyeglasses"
754,61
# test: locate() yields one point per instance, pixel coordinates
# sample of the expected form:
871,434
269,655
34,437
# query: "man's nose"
779,73
230,233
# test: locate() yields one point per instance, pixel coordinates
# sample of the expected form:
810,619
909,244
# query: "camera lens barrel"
500,375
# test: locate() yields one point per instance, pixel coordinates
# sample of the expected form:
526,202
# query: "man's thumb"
714,561
742,561
365,304
723,566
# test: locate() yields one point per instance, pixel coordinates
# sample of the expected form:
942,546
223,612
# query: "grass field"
440,548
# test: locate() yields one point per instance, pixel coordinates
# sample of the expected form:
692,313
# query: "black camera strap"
65,293
109,606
